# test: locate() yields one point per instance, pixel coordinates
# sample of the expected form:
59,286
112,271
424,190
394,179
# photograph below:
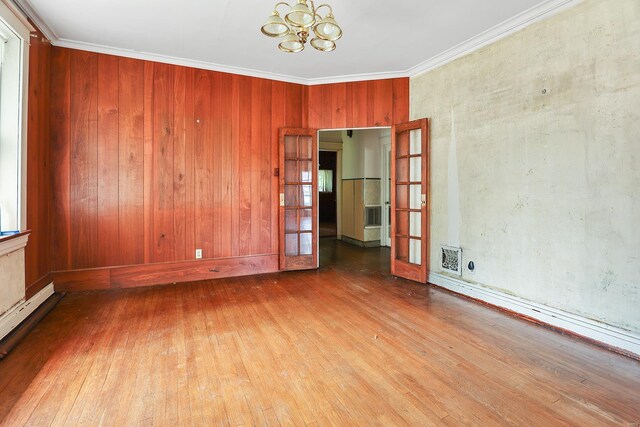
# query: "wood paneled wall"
359,104
37,259
151,161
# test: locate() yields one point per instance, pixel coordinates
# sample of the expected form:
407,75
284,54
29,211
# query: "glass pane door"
298,189
409,200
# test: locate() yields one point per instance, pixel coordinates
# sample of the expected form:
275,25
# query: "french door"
298,177
409,200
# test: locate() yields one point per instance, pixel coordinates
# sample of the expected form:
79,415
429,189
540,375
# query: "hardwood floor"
344,345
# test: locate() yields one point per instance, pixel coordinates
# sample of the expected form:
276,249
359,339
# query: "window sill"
13,242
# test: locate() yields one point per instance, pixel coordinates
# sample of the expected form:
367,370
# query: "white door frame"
385,195
329,146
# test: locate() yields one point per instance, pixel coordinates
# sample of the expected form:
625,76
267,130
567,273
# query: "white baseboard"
609,335
15,316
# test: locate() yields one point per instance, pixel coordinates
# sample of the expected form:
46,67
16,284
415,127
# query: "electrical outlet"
198,253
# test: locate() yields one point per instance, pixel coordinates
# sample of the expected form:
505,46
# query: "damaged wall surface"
535,161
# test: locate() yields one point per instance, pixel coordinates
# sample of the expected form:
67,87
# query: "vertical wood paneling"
256,134
131,170
108,153
39,185
163,207
265,166
327,109
244,172
216,148
315,106
153,160
339,105
223,167
400,100
358,104
278,102
148,187
293,105
203,162
180,164
235,166
60,159
382,104
83,177
190,182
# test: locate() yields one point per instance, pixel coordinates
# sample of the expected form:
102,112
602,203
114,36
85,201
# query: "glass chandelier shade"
300,15
323,45
328,28
291,43
275,26
299,21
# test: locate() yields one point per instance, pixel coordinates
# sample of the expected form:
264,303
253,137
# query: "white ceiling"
381,38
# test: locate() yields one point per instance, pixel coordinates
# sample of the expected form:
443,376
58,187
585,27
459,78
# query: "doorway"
327,194
355,181
357,192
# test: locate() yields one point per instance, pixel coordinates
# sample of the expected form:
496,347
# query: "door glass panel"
415,144
306,144
402,170
402,144
306,243
290,147
291,244
306,171
415,169
415,196
401,197
415,251
402,223
415,224
291,220
291,171
291,195
402,249
306,216
306,196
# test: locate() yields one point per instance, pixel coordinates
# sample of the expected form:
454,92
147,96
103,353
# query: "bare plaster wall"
535,161
11,280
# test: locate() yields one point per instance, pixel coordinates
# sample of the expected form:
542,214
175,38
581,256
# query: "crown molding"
127,53
27,9
537,13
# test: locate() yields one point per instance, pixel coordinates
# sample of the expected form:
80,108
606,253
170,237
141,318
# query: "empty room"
223,213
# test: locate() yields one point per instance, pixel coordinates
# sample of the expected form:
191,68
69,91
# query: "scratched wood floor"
341,346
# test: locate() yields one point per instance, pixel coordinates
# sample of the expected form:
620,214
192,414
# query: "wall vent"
451,259
373,216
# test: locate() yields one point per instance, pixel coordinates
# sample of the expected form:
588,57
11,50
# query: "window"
325,181
13,51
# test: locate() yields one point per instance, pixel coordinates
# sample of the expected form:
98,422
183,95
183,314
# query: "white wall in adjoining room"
542,184
362,153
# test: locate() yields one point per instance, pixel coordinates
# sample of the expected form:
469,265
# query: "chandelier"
297,25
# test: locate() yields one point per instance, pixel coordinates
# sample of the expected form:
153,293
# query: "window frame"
18,24
320,172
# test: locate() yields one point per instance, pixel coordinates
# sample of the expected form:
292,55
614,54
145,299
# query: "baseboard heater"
17,324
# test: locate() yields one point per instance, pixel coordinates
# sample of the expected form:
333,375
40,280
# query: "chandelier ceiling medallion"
297,24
